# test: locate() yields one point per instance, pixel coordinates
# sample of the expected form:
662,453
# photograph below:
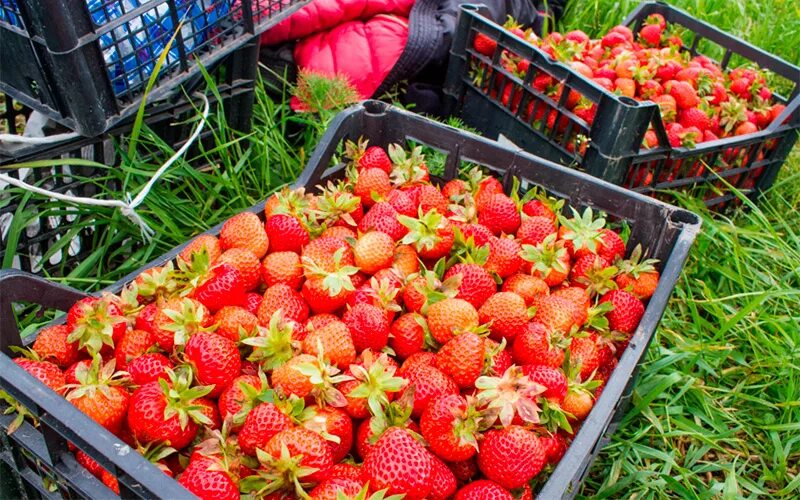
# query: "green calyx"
94,378
363,494
635,265
278,473
547,256
376,382
324,377
336,203
333,282
583,229
423,232
186,321
181,396
95,328
274,345
156,283
465,250
407,168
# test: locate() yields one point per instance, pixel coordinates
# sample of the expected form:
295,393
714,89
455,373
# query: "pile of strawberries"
385,336
699,102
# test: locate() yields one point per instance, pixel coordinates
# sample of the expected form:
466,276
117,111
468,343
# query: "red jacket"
360,39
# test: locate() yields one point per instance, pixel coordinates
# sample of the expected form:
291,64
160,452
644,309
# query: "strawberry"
611,246
483,489
306,375
215,360
334,342
476,284
145,320
431,234
336,425
511,456
222,286
553,379
578,404
374,251
46,372
464,470
149,368
429,198
94,323
555,447
506,314
246,263
132,345
206,243
504,257
582,233
322,253
286,233
371,184
178,319
428,384
307,453
625,87
282,297
451,317
694,117
484,45
451,427
368,325
99,395
668,107
365,156
443,481
584,351
526,286
206,478
262,423
239,397
244,230
335,488
627,311
233,322
462,358
555,313
651,34
500,214
166,411
407,335
383,217
536,346
550,260
51,345
638,276
400,464
684,94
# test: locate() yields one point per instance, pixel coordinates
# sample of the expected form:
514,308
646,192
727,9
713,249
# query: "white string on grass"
127,207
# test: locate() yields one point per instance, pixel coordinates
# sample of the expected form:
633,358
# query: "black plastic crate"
49,241
475,85
666,231
86,63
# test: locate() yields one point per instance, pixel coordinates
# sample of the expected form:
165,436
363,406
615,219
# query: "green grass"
716,412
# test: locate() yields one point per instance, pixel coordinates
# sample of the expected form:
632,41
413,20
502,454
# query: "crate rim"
579,454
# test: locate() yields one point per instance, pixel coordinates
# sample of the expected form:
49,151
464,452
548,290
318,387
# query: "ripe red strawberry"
526,286
166,412
534,230
244,230
132,345
204,242
429,383
335,341
627,312
383,217
333,422
476,284
368,326
550,260
483,489
484,45
233,322
286,233
246,263
478,232
443,481
289,379
400,464
206,478
407,335
585,269
334,488
683,92
451,317
611,247
145,320
45,371
555,313
464,470
555,446
511,456
239,398
500,214
312,456
51,345
222,286
149,368
375,157
462,358
323,253
651,34
584,351
261,424
504,257
95,322
505,313
553,379
284,298
451,427
694,117
215,360
374,251
431,234
536,346
370,184
429,197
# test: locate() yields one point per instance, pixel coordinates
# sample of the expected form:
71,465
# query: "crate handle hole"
375,107
629,101
684,217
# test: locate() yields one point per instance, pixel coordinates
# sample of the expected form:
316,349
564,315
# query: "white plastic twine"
128,206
